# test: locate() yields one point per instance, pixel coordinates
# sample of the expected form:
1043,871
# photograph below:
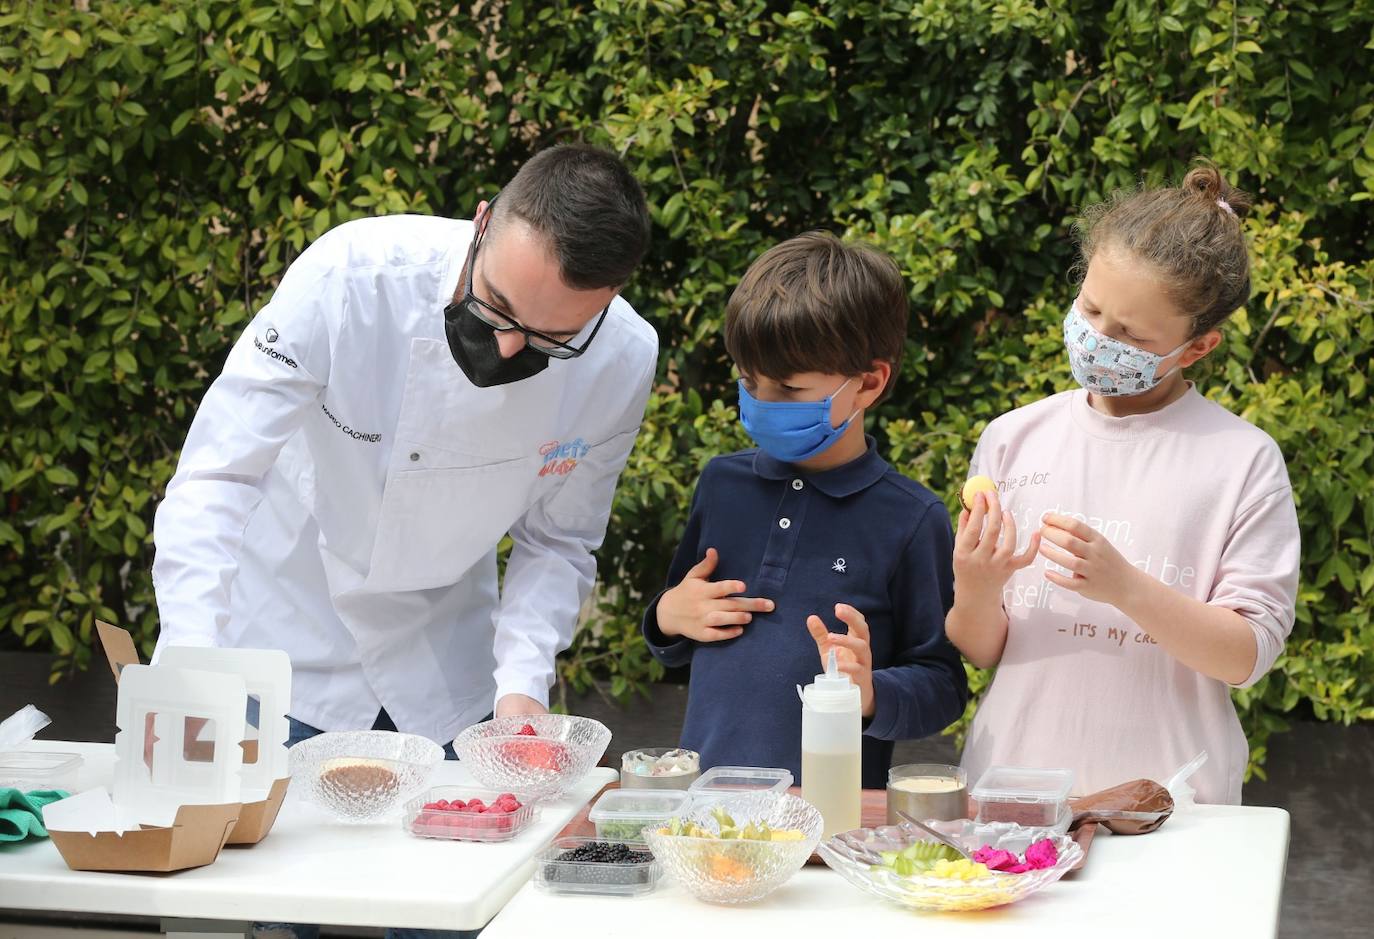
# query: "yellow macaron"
975,485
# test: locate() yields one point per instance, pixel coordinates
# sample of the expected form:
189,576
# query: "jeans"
300,731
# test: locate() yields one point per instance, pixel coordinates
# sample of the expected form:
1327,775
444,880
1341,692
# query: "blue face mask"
790,431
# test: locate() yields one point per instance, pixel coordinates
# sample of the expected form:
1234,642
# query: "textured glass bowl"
736,870
854,854
541,767
361,775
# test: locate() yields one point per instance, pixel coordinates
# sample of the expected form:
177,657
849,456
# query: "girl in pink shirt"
1162,565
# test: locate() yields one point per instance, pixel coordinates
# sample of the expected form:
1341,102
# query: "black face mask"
474,348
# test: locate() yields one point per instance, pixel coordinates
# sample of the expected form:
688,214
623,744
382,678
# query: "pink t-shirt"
1192,494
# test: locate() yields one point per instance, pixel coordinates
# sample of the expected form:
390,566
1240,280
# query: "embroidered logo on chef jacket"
839,566
272,336
560,459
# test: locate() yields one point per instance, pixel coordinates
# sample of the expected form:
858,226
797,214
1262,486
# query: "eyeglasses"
504,322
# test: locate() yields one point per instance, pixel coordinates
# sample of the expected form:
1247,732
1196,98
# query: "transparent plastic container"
683,779
1032,798
455,825
723,782
29,771
592,877
623,814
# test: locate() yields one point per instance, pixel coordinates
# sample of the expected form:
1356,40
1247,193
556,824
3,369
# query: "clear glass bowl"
855,855
542,766
361,775
736,870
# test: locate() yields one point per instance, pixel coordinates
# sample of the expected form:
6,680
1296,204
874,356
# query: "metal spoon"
943,839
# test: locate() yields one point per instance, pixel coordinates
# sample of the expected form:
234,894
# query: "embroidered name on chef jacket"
560,459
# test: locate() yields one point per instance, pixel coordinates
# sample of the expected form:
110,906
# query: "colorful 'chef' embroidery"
560,459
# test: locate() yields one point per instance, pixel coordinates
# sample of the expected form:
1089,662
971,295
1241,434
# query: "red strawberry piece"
545,755
527,731
441,804
476,805
457,805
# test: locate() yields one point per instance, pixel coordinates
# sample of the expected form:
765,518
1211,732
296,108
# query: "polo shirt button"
415,458
796,484
784,523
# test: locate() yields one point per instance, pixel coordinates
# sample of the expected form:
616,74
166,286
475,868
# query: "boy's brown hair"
1190,235
815,303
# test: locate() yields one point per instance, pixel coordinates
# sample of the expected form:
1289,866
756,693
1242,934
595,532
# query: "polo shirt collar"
840,482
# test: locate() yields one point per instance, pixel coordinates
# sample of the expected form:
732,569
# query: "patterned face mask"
1107,366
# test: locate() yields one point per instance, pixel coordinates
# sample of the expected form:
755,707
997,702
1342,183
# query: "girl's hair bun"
1207,182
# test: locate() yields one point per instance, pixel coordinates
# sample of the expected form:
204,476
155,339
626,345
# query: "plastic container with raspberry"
463,813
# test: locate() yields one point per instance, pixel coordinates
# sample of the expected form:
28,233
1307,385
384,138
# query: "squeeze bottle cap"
832,690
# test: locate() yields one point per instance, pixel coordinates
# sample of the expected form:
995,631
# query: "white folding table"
1215,871
310,869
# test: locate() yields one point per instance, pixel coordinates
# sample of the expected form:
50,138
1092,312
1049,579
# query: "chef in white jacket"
416,389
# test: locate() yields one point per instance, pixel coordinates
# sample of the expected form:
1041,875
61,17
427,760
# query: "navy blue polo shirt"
861,534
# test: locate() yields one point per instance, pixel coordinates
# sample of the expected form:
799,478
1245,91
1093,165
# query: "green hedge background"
161,163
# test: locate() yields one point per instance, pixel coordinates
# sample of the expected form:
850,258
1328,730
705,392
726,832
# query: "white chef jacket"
343,488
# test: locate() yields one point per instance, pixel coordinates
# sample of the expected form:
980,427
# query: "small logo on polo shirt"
838,566
272,335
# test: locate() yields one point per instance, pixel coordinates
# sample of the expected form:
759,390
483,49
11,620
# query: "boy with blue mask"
811,541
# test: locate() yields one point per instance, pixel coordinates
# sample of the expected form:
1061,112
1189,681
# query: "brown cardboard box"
256,819
193,840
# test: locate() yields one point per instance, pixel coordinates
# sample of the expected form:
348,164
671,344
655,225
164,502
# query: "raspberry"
476,805
527,731
457,805
441,804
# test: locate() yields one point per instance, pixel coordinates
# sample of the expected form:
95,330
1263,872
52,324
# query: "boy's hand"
1096,569
707,610
853,654
984,560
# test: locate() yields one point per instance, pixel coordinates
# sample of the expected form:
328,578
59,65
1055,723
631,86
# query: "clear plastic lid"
1018,784
733,780
39,769
639,804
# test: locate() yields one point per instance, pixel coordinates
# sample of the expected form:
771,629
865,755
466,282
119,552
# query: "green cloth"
21,813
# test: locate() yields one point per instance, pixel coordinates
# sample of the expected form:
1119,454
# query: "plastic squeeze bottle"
832,731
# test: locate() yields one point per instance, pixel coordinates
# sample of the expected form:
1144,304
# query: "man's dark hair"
587,203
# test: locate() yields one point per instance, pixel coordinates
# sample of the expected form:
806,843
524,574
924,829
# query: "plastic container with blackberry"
588,865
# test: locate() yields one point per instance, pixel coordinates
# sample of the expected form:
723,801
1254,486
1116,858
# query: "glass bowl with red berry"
538,755
464,813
